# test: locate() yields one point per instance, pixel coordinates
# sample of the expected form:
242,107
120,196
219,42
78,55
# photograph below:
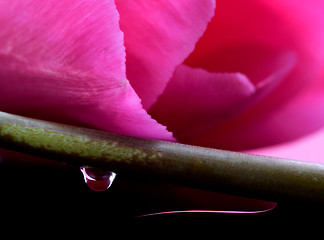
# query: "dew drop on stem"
97,179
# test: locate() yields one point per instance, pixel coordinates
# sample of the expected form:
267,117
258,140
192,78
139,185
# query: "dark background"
38,193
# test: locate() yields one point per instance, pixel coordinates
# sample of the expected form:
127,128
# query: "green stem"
262,177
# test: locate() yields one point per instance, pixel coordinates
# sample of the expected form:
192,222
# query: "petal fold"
246,129
65,61
220,110
196,100
251,37
159,35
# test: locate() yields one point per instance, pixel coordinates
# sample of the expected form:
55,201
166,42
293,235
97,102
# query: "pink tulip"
274,94
243,75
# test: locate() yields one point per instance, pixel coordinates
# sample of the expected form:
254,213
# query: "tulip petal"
65,61
196,100
244,35
307,149
307,20
212,109
159,35
299,117
294,120
240,38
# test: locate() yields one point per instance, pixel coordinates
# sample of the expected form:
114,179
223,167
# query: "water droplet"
97,179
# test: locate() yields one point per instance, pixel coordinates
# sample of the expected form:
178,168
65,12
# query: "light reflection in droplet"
97,179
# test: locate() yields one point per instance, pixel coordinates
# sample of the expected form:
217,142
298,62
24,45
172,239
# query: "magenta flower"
274,93
246,75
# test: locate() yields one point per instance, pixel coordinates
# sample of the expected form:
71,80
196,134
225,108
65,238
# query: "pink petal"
251,37
196,100
240,38
244,35
308,149
214,109
307,20
65,61
300,117
293,120
159,35
248,37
